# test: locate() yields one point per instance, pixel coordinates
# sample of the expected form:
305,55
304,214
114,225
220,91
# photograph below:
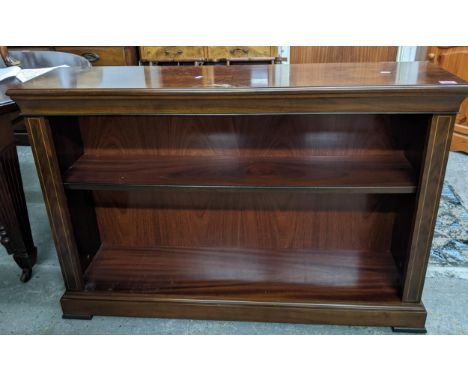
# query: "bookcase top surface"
314,78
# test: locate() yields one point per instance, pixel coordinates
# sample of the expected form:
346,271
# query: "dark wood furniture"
294,193
15,230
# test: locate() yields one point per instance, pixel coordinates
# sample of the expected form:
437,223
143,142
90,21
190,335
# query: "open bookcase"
320,213
242,207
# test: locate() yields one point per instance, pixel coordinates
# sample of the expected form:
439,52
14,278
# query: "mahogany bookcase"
289,193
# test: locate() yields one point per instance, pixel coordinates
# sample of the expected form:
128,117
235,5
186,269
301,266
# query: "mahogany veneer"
379,174
301,193
247,274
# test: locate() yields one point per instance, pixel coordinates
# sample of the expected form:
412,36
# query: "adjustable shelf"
390,173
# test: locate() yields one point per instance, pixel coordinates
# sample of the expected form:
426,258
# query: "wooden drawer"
172,53
220,52
104,56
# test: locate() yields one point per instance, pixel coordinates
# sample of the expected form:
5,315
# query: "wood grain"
328,54
193,249
430,188
227,52
206,54
460,138
246,274
312,312
377,174
55,200
455,60
373,102
324,152
343,78
248,219
172,53
295,136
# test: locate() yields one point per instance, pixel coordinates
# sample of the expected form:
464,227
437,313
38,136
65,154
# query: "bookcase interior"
253,207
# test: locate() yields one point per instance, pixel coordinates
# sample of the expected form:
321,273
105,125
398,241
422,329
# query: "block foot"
77,316
399,329
26,275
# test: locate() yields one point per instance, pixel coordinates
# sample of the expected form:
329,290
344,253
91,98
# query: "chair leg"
15,230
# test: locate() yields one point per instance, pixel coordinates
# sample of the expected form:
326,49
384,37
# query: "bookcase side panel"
428,198
55,200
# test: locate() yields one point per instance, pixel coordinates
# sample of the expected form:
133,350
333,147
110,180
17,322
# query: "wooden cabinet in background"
455,60
330,54
172,53
207,54
222,52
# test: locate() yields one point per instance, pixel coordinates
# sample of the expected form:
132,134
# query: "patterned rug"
450,243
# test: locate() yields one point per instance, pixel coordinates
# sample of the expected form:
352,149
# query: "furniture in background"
96,55
303,193
104,56
455,60
209,55
40,59
15,230
169,55
329,54
47,59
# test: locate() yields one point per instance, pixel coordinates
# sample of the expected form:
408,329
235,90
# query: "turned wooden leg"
15,230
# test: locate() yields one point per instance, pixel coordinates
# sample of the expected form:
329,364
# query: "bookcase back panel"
261,135
246,219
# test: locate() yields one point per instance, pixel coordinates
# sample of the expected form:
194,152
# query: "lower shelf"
247,274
